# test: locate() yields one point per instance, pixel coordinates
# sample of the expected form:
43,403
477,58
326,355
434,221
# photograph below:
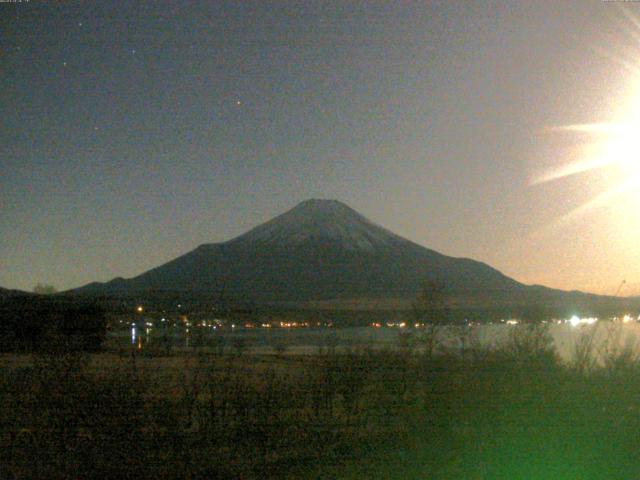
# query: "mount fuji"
324,251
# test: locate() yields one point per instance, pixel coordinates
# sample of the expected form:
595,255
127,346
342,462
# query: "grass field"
514,411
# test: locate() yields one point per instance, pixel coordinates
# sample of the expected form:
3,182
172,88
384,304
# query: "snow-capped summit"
322,221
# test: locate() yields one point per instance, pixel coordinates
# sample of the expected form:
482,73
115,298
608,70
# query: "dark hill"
7,293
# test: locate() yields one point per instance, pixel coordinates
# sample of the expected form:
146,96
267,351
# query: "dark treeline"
36,323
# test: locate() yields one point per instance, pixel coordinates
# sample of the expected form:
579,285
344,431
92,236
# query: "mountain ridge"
323,251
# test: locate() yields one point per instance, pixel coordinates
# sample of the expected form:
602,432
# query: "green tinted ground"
514,412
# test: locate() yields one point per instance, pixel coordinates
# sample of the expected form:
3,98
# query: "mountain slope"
7,293
323,250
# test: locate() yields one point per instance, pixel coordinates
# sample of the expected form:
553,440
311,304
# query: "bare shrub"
585,358
620,358
431,311
529,346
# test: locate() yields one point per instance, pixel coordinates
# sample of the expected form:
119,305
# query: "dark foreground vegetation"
39,324
513,412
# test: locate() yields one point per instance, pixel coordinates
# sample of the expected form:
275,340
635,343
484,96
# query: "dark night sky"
132,132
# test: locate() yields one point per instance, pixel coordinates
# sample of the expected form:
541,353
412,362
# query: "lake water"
565,336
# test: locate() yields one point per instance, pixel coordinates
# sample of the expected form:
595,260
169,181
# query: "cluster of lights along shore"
216,323
192,330
183,321
574,321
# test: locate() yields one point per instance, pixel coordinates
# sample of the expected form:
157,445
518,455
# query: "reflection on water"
174,336
565,337
139,340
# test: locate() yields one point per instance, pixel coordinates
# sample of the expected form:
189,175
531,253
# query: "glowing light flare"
610,145
576,321
612,149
